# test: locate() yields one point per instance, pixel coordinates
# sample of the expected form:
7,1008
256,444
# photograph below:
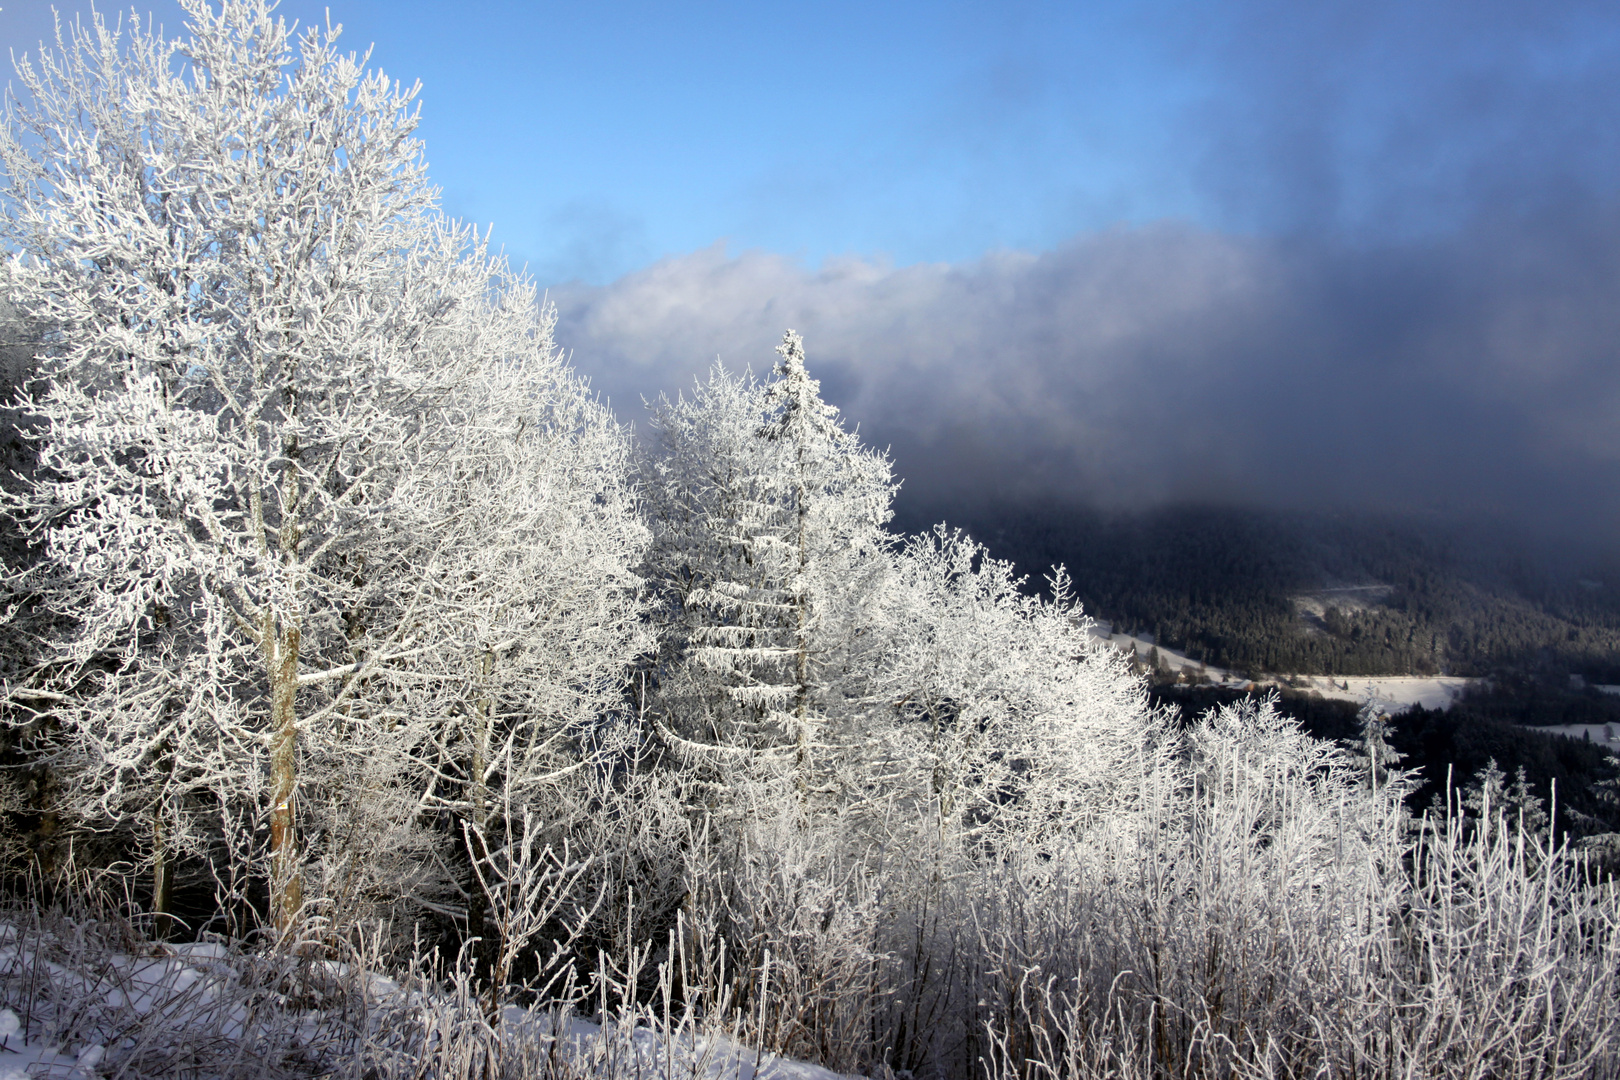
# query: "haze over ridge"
1469,374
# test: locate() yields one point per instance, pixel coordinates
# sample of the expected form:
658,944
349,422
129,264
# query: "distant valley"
1260,593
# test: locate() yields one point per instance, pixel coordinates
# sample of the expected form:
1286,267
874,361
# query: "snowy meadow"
376,705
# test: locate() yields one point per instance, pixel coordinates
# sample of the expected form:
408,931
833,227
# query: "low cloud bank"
1475,374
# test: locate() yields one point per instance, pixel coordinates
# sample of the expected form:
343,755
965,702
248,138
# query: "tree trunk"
478,922
162,878
286,889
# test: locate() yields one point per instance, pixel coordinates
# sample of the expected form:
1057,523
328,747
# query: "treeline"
1221,585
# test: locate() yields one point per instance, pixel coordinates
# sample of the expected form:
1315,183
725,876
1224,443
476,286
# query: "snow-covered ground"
73,1007
1605,735
646,1054
45,977
1393,692
1168,658
21,1059
1396,692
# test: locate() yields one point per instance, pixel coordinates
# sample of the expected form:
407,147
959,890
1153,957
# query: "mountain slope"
1265,591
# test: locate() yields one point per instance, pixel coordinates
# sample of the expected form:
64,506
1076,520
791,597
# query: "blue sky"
1349,253
600,137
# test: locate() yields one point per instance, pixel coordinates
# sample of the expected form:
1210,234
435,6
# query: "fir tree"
1371,752
767,518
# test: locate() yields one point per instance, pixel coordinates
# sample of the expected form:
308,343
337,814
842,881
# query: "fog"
1387,278
1470,374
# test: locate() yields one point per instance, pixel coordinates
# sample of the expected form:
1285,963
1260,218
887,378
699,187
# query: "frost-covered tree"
1006,712
282,386
1371,751
1489,799
529,613
767,523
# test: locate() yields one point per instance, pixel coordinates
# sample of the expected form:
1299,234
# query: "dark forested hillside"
1265,591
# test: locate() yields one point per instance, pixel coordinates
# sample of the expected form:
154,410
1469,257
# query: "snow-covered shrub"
992,711
1279,917
91,994
1252,906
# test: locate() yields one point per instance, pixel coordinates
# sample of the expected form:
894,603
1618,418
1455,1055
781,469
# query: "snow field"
1605,735
1394,693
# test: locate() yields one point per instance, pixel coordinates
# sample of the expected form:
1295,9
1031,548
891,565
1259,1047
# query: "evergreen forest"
1394,596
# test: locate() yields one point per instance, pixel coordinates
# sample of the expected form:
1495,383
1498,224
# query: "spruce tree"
1371,751
767,520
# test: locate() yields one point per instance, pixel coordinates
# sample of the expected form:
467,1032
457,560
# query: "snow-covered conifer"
1371,751
767,539
1487,793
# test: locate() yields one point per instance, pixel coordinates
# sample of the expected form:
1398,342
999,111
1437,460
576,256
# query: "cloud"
1390,118
1478,373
